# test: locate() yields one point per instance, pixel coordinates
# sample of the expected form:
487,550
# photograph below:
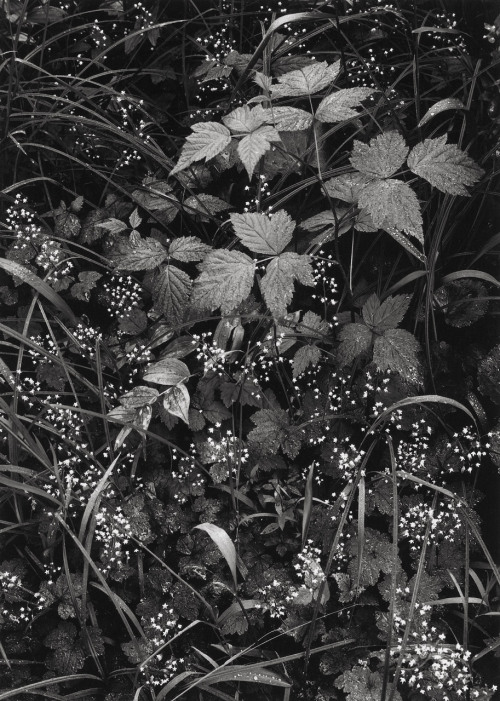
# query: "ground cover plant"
250,354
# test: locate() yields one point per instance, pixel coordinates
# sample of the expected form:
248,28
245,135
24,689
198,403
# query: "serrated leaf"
392,204
407,244
306,80
277,285
144,254
347,187
157,196
338,106
354,340
252,147
208,140
205,205
226,280
285,64
121,413
388,315
263,234
397,351
171,291
188,249
225,546
243,119
272,431
382,157
176,402
364,222
114,226
138,397
305,356
444,166
87,282
134,219
449,103
288,118
167,371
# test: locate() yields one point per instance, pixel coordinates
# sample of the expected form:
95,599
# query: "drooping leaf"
361,684
392,204
272,431
285,64
382,157
313,326
205,205
243,119
87,281
208,140
347,187
405,242
122,413
387,315
278,282
224,544
338,106
354,340
138,397
397,350
188,249
142,254
449,103
307,80
176,402
168,371
253,146
263,234
305,356
157,196
171,292
288,118
444,166
226,280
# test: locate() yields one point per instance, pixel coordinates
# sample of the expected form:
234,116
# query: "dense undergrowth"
250,353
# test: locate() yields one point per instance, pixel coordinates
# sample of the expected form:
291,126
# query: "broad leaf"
87,281
305,356
364,222
277,283
141,254
354,340
382,157
392,204
338,106
171,292
224,544
188,249
157,196
313,326
176,402
205,205
288,118
168,371
347,187
306,80
226,280
263,234
407,244
138,397
252,147
388,315
444,166
397,351
114,226
208,140
243,119
272,431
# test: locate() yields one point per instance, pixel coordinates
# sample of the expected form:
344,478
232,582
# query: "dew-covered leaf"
392,204
141,254
307,80
263,234
204,205
304,357
188,249
277,285
208,140
243,119
253,146
272,431
226,280
171,292
176,401
339,106
385,315
382,157
138,397
288,118
167,371
354,340
397,350
347,187
87,281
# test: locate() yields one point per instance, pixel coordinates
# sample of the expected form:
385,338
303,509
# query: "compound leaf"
288,118
171,292
243,119
208,140
205,205
188,249
382,157
397,351
354,340
444,166
138,254
281,273
253,146
272,431
226,280
347,187
305,356
388,315
392,204
306,80
338,106
263,234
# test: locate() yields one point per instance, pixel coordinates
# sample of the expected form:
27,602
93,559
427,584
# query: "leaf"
252,147
444,166
157,196
305,356
364,222
338,106
208,140
361,684
306,80
142,254
87,282
354,340
407,244
457,301
272,431
281,273
204,205
225,546
188,249
243,119
449,103
392,204
133,322
397,351
388,315
168,371
382,157
114,226
489,375
134,219
122,414
347,187
288,118
263,234
138,397
171,292
66,223
226,280
176,402
44,14
313,326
